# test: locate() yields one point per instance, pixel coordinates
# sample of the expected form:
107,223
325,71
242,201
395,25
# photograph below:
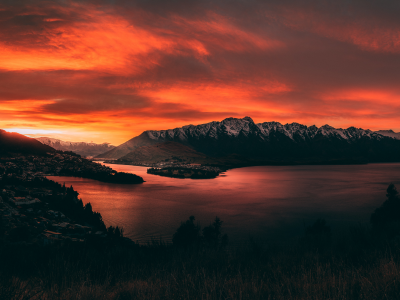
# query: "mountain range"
81,148
241,141
389,133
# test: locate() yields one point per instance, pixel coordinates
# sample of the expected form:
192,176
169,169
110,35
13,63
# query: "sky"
105,71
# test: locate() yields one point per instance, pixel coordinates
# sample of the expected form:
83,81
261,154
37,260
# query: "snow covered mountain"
234,128
269,141
389,133
81,148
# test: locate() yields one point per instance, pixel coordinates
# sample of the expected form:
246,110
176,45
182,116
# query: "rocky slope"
81,148
271,142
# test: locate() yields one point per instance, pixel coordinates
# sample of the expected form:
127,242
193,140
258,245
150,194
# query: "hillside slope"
167,152
127,147
11,142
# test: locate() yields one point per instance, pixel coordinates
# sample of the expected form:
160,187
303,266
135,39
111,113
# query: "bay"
264,202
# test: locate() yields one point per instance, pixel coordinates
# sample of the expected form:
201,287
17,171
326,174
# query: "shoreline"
225,168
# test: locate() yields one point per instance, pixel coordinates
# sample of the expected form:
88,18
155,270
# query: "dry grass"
341,270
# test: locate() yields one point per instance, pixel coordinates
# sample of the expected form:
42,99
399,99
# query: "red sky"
105,71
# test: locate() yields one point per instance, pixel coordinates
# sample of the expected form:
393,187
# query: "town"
61,163
185,171
53,164
36,210
177,169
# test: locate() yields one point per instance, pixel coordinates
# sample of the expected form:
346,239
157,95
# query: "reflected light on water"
266,202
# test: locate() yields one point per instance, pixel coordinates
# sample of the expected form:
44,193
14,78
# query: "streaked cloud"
112,69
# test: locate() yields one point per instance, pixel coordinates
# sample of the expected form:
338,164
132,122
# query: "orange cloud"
218,31
366,95
105,41
212,97
101,41
113,71
366,32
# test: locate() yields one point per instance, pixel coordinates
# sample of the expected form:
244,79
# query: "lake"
265,202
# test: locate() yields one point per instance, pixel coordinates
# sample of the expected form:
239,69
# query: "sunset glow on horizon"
105,71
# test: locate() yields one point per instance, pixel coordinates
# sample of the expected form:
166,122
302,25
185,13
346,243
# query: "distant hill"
12,143
389,133
127,147
81,148
268,142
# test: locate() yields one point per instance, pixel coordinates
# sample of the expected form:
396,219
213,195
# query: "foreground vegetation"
345,270
363,263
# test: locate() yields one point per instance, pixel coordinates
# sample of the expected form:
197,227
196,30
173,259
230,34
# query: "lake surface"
266,202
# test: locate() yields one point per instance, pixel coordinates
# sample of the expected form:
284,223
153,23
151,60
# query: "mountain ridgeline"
390,133
236,142
81,148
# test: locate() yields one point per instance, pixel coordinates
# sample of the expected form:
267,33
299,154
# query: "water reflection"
264,202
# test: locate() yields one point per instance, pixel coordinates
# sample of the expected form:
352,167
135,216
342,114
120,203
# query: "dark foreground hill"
11,142
265,143
324,263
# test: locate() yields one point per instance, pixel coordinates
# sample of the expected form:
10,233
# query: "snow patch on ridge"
233,127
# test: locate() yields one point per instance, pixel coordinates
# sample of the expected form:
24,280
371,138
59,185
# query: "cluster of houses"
59,163
171,169
25,215
185,171
187,166
28,219
172,164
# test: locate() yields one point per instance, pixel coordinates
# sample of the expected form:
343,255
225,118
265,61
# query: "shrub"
386,218
212,234
187,234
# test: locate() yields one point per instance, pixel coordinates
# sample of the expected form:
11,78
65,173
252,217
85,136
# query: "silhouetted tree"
119,232
115,232
212,234
387,216
88,209
187,234
391,191
71,193
110,231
